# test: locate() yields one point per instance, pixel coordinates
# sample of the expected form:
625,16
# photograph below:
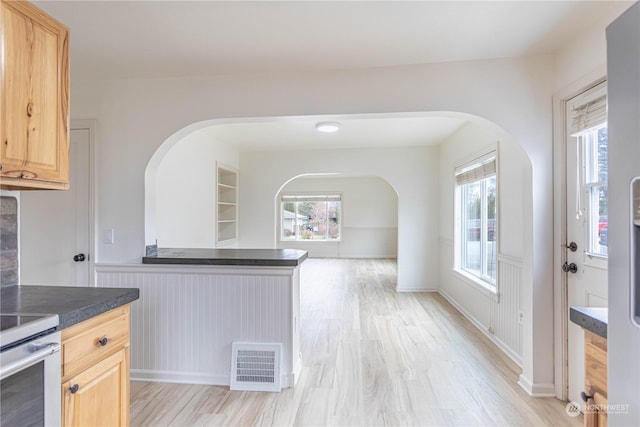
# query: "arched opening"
272,153
179,181
360,220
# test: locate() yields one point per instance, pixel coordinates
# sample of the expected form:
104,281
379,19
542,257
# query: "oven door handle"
40,352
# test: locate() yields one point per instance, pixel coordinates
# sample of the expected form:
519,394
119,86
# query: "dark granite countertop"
594,319
72,304
229,257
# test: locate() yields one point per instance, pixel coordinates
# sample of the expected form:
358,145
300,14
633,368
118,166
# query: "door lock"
573,246
570,268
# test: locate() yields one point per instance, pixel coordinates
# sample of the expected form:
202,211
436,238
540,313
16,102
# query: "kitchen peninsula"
195,303
235,257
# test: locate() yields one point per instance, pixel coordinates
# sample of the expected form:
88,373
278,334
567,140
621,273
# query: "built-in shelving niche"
227,205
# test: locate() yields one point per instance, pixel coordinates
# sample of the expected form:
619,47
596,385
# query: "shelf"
227,231
227,177
231,187
227,207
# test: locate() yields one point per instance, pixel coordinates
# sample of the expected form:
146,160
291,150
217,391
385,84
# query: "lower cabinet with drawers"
95,370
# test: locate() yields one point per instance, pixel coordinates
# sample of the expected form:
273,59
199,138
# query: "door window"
594,188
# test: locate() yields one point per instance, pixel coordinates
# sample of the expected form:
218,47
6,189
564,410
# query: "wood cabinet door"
34,110
99,396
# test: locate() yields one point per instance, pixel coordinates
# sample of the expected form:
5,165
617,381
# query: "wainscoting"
357,242
187,317
505,315
498,317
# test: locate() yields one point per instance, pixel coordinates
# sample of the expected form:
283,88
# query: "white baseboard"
179,377
404,290
536,390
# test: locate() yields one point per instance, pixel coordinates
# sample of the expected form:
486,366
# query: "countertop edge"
228,257
225,262
87,312
72,304
586,318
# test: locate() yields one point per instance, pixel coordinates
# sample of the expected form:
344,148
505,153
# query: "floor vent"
255,366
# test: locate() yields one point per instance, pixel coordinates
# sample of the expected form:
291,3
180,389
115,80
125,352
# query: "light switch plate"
109,236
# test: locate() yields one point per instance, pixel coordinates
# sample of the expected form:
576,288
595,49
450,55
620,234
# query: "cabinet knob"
74,388
585,397
79,257
103,341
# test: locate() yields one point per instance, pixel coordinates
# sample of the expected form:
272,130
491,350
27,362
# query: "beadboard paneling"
505,315
186,319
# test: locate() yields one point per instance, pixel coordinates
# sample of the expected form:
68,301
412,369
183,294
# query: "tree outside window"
311,217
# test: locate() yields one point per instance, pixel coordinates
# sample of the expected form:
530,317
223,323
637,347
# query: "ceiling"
167,39
356,131
153,39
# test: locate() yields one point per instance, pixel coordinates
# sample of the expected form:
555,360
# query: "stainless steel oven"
30,370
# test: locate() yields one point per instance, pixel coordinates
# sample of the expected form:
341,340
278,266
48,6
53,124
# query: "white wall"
369,217
586,54
497,316
412,172
186,191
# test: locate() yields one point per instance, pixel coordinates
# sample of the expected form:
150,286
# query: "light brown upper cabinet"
34,106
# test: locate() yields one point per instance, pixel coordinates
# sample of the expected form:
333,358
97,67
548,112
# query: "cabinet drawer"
88,342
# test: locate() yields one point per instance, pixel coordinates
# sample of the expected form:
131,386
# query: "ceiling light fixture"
328,126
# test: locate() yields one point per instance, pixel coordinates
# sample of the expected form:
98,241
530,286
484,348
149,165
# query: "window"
476,242
589,125
310,217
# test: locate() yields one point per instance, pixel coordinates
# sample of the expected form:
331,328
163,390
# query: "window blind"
311,198
588,110
481,168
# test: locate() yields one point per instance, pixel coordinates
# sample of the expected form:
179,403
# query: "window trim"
479,285
585,187
482,157
328,196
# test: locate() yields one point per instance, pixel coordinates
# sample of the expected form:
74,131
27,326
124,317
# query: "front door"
587,219
54,225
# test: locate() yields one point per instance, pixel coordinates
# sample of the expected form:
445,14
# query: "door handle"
79,258
570,268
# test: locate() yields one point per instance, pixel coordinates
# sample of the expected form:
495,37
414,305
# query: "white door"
587,219
54,225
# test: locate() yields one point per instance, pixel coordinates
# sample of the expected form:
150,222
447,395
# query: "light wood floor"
371,356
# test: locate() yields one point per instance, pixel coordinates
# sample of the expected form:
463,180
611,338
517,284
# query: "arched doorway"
361,217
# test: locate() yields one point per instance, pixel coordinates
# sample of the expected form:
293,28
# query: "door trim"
90,125
560,296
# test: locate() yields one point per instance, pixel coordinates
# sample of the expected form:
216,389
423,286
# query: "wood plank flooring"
371,356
